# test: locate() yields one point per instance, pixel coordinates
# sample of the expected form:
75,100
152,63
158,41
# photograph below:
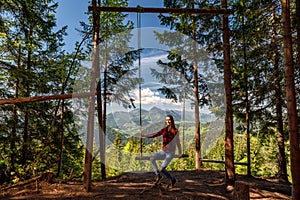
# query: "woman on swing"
170,140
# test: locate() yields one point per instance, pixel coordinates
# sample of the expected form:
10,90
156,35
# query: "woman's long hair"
172,127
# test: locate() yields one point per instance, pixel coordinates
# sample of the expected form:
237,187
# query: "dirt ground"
202,184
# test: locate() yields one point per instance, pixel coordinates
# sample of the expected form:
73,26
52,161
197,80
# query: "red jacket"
170,140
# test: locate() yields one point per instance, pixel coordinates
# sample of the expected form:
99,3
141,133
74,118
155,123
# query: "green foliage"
217,152
96,169
263,155
34,64
261,164
263,152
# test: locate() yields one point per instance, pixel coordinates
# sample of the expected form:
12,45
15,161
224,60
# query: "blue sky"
71,12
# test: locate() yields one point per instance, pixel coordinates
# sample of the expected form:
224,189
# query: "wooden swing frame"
140,9
149,157
137,9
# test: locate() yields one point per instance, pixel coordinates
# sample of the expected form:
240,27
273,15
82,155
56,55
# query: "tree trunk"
196,100
197,120
247,104
61,139
27,94
102,121
298,33
229,153
103,140
91,110
13,136
102,137
282,170
291,100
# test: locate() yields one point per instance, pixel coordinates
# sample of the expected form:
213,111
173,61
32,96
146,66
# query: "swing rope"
138,19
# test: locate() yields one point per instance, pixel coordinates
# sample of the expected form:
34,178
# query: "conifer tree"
35,64
291,99
115,77
192,60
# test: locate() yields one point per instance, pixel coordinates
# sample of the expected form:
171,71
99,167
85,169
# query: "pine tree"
185,58
291,99
35,65
111,35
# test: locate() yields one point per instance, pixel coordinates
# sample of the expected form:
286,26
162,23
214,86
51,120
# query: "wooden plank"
148,157
140,9
222,161
44,98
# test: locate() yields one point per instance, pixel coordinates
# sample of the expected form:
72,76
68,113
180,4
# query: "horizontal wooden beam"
148,157
222,161
44,98
160,10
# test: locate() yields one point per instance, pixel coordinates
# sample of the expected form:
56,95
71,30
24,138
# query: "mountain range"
132,120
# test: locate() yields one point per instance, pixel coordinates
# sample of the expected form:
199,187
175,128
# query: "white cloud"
154,59
151,97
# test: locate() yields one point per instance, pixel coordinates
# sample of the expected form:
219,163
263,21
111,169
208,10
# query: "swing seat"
148,157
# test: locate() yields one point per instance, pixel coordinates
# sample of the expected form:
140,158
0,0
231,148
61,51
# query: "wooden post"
91,110
241,191
229,150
